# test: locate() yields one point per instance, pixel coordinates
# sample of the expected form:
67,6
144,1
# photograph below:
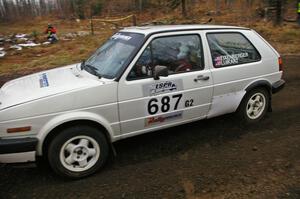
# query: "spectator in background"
51,34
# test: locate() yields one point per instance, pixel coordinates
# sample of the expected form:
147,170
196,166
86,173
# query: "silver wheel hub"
79,153
256,105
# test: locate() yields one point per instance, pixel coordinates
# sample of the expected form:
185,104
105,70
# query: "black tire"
57,151
246,118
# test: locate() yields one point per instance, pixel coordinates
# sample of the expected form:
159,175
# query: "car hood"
44,84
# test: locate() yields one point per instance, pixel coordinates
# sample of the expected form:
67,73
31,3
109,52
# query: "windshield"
114,55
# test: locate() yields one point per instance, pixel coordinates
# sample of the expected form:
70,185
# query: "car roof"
170,28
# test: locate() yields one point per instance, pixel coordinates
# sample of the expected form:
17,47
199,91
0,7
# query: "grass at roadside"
50,56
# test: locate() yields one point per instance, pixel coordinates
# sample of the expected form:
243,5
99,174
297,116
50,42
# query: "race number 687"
164,105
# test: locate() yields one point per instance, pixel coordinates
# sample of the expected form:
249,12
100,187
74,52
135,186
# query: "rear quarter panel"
230,82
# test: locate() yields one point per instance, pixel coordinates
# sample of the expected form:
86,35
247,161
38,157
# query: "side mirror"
160,71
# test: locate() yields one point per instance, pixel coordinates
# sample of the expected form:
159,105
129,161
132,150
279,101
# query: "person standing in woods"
51,33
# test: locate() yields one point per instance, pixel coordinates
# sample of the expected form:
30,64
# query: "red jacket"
50,31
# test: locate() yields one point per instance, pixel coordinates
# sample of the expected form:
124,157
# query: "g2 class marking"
189,103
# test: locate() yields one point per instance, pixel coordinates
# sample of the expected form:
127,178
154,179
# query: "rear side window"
228,49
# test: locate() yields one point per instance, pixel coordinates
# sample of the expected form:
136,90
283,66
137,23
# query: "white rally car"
142,79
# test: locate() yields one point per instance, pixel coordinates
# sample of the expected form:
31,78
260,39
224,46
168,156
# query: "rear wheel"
78,151
254,105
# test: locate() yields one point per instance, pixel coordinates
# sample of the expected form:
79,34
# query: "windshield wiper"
91,69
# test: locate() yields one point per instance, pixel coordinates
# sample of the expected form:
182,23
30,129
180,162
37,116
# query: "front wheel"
78,151
254,105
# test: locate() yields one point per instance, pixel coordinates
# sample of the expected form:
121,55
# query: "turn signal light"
19,129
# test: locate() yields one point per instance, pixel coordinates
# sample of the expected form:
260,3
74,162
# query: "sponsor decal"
163,118
162,87
229,59
43,79
120,36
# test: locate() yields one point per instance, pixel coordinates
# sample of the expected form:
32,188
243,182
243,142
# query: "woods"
12,10
16,9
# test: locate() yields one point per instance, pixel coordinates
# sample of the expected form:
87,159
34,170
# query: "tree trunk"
278,18
183,8
141,5
218,11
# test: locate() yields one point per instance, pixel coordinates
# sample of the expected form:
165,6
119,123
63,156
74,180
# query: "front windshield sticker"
162,87
163,118
229,59
43,79
120,36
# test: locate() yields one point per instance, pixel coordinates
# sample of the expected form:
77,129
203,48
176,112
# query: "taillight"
280,64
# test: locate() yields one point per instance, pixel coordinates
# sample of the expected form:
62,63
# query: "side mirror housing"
160,71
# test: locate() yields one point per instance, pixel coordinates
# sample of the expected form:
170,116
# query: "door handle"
201,77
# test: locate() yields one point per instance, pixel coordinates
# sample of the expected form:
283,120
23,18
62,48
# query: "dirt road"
208,159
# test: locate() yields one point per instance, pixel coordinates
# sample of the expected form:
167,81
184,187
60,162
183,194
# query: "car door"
146,104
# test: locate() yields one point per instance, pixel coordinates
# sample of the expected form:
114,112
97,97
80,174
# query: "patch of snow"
83,33
23,39
17,47
1,49
2,54
70,35
66,39
30,44
46,43
20,35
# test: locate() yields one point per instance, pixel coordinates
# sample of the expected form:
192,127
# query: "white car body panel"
51,98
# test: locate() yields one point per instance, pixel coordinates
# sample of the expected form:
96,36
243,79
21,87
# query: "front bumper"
17,150
277,86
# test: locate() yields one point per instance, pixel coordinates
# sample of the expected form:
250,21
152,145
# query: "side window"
229,49
179,53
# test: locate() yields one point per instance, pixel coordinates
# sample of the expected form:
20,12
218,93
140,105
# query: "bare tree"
176,3
218,7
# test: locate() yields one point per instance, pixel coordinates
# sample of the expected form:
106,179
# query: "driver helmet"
183,51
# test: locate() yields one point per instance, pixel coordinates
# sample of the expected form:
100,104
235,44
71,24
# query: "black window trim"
224,32
175,35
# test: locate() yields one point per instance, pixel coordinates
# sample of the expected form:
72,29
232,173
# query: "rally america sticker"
43,79
163,118
229,59
162,87
120,36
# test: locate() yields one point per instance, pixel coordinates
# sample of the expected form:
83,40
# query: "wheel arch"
262,83
65,125
54,126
